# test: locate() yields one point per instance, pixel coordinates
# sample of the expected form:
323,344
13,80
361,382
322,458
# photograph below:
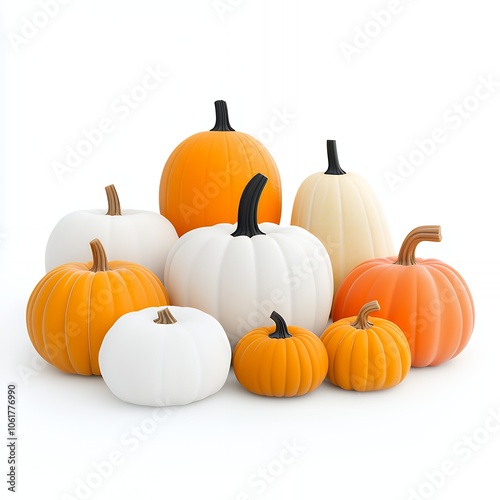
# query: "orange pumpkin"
427,299
206,173
366,354
280,361
71,309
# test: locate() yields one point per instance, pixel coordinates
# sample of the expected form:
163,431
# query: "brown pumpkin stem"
113,201
406,255
362,322
99,258
165,317
281,331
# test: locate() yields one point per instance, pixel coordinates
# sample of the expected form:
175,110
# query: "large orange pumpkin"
71,309
206,173
427,299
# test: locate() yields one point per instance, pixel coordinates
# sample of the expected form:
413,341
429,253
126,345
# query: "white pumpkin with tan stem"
133,235
165,356
342,211
239,273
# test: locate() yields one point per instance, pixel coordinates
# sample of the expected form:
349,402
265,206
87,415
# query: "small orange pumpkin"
280,361
427,299
73,306
206,173
366,354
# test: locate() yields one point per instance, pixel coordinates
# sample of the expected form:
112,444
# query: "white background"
262,57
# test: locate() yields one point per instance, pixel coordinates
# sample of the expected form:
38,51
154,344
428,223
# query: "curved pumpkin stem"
99,257
362,322
281,331
334,167
165,317
247,210
221,118
406,255
113,201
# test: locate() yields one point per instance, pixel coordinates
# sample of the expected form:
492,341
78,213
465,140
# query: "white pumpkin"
165,356
342,211
239,273
133,235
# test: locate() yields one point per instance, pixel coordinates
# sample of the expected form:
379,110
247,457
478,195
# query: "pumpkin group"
240,273
342,211
366,354
426,298
71,309
205,174
165,356
280,361
228,267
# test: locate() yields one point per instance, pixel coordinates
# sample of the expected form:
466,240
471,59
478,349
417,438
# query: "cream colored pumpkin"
342,211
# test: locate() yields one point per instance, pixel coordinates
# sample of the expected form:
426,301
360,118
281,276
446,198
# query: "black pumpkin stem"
221,118
334,167
281,331
247,210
